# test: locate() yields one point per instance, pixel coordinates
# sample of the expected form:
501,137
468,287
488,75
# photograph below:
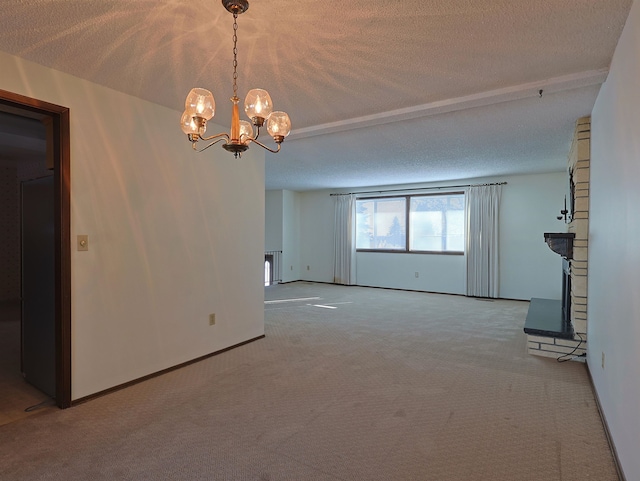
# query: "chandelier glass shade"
200,107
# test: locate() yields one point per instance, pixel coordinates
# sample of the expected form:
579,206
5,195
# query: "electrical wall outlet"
603,360
417,275
308,268
212,319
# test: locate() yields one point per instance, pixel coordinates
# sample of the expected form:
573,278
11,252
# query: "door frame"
59,115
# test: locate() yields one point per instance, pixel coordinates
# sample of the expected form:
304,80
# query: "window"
412,223
381,224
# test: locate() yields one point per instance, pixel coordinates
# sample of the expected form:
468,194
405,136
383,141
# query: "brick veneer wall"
578,168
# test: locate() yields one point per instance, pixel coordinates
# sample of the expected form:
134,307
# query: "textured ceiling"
379,91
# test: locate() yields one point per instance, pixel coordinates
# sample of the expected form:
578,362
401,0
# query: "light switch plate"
83,242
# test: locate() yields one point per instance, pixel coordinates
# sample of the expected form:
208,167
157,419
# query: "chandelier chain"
235,54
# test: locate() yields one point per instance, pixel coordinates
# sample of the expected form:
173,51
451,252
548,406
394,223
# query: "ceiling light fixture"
200,107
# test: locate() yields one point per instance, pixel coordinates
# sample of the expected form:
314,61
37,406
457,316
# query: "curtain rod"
421,188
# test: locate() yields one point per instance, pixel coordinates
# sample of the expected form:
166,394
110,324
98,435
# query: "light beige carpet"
360,384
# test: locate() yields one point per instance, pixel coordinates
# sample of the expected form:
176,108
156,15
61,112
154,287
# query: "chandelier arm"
265,147
223,134
205,148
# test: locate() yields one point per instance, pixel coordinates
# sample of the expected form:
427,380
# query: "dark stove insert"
550,317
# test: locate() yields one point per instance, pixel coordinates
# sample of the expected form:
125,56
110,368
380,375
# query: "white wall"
173,235
282,214
273,223
529,207
528,268
614,254
290,236
316,236
436,273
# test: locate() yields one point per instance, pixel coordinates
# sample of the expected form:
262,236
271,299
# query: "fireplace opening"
550,317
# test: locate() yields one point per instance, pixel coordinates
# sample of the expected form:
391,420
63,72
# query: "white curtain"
344,267
483,203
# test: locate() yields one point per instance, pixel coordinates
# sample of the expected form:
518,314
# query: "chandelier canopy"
200,107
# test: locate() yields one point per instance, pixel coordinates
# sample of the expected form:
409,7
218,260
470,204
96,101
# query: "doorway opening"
58,148
272,268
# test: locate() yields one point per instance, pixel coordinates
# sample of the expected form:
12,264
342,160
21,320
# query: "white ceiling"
380,92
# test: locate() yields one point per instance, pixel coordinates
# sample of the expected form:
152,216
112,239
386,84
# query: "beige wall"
614,255
173,235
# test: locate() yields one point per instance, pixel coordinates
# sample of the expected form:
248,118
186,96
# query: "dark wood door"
38,285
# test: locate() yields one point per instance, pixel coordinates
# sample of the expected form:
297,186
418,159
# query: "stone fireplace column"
579,166
555,346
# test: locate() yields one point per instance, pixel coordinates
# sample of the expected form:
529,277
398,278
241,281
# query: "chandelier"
200,107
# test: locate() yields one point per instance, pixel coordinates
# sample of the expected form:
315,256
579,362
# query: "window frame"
407,224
